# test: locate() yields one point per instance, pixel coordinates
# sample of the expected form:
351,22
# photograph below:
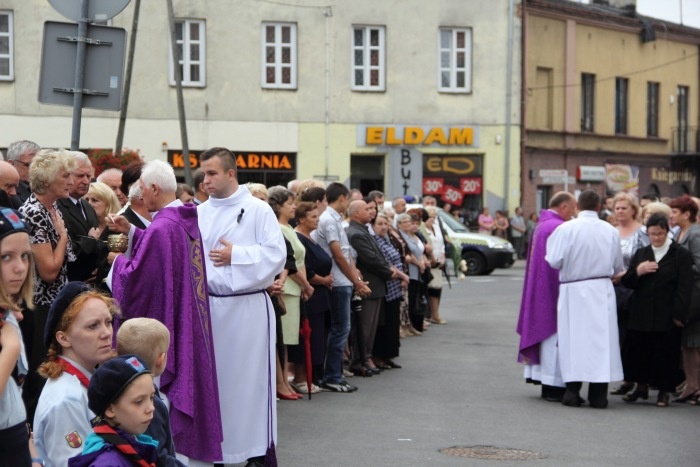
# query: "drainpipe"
509,99
328,14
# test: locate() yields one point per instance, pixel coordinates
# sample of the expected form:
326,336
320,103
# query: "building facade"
610,102
402,96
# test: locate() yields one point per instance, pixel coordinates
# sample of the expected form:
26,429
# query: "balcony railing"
686,140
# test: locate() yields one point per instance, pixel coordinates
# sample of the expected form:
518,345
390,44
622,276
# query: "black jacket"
84,246
374,267
663,295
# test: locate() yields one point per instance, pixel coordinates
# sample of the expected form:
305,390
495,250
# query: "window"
683,130
368,49
279,55
191,52
7,71
587,102
652,109
621,85
455,55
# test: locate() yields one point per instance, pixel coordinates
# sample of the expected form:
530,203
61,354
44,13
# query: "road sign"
98,10
104,66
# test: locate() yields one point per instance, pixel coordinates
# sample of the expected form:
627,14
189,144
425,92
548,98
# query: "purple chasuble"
538,308
165,279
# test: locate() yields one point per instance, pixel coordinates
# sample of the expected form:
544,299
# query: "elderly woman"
684,215
501,225
485,221
50,179
78,335
408,226
386,341
660,276
437,240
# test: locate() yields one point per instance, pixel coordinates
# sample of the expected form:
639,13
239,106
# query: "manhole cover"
492,453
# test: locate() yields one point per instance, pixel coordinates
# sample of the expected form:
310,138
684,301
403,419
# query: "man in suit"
9,181
135,211
375,270
81,222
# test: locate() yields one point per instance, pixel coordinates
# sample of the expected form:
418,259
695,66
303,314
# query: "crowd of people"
612,293
224,299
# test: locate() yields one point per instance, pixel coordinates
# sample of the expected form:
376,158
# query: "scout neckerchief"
69,368
110,436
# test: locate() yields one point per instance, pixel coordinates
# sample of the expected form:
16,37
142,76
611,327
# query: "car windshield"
452,223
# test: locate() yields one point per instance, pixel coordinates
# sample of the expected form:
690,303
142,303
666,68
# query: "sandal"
662,399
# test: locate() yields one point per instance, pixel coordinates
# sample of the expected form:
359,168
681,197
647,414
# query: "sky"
669,10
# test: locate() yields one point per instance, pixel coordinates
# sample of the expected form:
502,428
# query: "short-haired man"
376,270
537,324
162,276
587,253
399,205
429,201
20,154
113,179
517,231
378,197
200,192
81,221
244,250
331,236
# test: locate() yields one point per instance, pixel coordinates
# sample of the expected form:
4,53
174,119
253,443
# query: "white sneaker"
302,388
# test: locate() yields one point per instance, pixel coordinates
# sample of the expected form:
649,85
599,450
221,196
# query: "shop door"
367,173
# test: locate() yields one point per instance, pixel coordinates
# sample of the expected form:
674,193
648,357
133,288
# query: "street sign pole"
79,75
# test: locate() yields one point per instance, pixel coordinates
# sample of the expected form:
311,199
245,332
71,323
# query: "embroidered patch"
135,364
74,440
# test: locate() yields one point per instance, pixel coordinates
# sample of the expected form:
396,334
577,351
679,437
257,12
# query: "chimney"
629,5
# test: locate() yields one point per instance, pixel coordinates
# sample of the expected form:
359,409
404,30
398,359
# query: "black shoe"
338,387
599,404
622,389
572,399
391,363
349,387
553,393
375,371
365,372
255,462
637,394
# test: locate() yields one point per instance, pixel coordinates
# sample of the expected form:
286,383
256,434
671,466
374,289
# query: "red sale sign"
452,195
433,186
471,185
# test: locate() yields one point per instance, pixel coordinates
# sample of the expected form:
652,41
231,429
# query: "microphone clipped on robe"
240,216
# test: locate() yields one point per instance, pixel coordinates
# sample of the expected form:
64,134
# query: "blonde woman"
50,179
103,200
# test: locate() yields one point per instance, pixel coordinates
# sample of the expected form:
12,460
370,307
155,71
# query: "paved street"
461,386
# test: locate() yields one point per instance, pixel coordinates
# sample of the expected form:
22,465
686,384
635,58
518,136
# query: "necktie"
80,206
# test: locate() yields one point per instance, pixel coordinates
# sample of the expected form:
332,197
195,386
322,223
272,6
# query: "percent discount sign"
452,195
471,185
433,186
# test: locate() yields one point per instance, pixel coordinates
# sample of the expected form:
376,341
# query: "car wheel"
476,263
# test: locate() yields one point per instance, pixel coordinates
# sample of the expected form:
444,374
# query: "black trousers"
597,392
14,448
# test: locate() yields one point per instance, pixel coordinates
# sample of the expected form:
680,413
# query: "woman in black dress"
661,277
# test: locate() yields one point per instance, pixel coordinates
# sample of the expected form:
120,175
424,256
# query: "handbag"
426,276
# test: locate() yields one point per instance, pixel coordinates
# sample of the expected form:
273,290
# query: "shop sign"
471,185
405,172
590,173
406,135
622,177
457,165
433,186
672,176
452,195
280,161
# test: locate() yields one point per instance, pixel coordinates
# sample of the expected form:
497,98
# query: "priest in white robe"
244,250
586,251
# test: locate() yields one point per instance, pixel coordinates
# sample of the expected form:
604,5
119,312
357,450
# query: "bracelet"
38,460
